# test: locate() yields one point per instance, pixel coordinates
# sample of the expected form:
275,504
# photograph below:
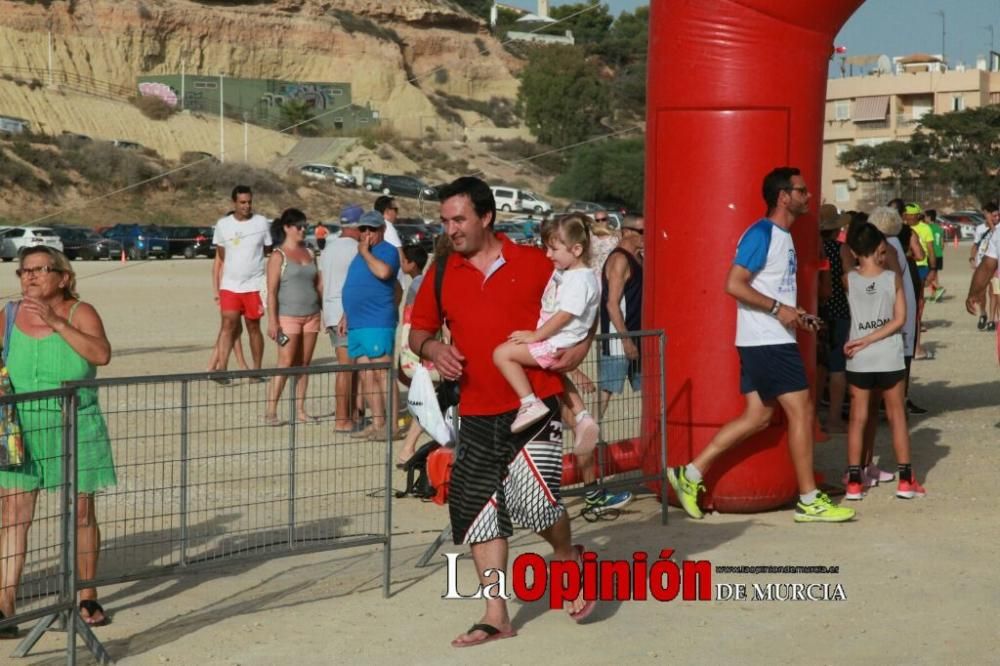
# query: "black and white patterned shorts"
500,478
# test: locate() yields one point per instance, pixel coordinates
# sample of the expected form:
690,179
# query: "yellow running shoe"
687,491
822,510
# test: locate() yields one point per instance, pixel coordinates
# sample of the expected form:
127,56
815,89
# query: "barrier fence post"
293,425
662,338
390,427
184,473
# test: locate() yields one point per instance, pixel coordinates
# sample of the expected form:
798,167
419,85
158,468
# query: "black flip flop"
492,634
92,608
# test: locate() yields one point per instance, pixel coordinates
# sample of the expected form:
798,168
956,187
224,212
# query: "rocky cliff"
401,55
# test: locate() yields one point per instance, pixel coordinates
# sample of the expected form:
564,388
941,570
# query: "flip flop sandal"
492,634
272,421
588,606
92,608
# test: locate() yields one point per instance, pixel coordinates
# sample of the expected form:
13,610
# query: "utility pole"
50,58
222,125
183,68
940,13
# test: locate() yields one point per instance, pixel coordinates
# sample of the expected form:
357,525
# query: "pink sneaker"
528,415
909,489
585,434
855,491
879,475
866,481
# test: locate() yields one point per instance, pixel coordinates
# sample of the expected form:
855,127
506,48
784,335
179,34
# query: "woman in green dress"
55,338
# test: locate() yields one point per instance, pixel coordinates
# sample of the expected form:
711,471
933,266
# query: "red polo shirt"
482,312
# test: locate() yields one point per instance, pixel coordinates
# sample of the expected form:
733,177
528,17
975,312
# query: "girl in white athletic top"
875,365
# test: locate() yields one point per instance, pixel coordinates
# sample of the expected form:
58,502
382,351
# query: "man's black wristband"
420,351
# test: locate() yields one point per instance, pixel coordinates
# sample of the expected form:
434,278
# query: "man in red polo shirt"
492,288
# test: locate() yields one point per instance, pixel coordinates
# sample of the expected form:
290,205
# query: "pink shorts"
544,353
298,325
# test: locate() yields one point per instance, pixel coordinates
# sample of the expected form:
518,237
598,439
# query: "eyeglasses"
600,219
803,189
37,270
638,231
365,227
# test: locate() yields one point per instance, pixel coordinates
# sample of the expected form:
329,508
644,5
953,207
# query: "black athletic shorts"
870,381
772,370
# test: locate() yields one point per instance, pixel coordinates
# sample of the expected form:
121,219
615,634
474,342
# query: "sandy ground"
917,575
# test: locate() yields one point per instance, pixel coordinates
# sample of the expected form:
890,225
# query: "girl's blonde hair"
571,229
60,262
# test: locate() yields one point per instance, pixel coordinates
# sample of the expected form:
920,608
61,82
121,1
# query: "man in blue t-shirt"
370,314
762,280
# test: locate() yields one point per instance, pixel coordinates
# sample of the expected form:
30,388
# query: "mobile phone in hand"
812,321
282,339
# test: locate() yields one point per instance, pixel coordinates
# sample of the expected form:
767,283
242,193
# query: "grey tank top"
297,295
872,300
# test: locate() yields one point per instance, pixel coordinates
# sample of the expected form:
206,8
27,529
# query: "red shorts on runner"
247,303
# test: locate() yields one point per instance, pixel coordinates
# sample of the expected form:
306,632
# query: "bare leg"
838,387
18,510
895,410
256,342
227,338
560,538
799,412
345,393
307,348
88,547
371,395
286,358
380,384
410,443
511,359
756,417
489,555
241,360
860,399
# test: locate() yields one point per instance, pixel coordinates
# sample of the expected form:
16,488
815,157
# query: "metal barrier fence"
195,470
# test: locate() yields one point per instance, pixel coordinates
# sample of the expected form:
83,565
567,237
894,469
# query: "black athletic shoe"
981,325
915,410
992,326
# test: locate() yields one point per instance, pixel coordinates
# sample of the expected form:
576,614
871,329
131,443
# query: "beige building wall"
910,95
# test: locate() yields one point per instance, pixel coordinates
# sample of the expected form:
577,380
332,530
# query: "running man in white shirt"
986,274
762,280
238,273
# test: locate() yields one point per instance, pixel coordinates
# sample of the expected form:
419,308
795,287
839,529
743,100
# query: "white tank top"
872,300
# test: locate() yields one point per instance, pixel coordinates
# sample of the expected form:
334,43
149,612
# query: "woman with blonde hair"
54,338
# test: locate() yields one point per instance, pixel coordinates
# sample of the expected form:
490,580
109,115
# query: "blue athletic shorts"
772,370
370,342
922,272
612,371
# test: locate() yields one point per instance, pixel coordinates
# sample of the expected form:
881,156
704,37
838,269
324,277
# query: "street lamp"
222,124
990,28
940,13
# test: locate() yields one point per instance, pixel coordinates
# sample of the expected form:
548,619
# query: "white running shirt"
767,251
244,242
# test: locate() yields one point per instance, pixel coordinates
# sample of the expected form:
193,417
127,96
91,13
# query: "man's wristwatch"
775,307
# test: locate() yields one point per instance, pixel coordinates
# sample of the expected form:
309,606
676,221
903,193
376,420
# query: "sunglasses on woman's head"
37,270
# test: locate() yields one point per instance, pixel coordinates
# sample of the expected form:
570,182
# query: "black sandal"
9,632
92,608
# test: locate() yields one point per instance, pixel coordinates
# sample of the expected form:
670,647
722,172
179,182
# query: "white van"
510,199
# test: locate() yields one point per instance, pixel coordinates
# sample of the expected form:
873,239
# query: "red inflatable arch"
735,89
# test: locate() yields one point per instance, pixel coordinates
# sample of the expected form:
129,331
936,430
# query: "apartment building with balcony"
885,104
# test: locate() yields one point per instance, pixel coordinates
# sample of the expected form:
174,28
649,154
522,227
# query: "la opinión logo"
636,579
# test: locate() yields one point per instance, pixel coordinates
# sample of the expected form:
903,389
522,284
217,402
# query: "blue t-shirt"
368,301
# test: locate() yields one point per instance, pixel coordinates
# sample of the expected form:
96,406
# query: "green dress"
41,364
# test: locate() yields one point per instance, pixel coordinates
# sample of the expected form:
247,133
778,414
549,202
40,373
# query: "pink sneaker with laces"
528,415
909,489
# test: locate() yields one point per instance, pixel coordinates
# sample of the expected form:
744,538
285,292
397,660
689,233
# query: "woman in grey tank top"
875,364
293,301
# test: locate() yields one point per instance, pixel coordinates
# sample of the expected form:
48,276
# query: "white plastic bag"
423,404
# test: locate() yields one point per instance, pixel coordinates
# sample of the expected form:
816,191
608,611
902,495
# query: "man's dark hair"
930,214
479,194
384,202
899,205
416,254
778,180
864,238
991,207
241,189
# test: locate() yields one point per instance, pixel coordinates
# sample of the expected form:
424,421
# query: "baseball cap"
349,216
912,209
372,218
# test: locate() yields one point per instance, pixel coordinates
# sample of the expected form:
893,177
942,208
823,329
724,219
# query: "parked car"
407,186
140,242
328,172
15,239
189,242
529,226
588,207
514,232
373,181
508,199
532,203
965,221
82,243
414,231
127,145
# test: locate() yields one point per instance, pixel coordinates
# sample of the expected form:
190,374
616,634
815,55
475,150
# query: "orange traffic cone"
124,258
955,239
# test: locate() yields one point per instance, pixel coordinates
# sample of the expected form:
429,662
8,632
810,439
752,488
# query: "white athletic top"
872,300
767,251
910,326
993,246
577,292
333,262
244,242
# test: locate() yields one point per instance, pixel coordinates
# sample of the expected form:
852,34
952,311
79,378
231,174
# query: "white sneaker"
528,415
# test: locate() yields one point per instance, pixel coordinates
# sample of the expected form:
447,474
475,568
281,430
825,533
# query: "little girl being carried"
569,307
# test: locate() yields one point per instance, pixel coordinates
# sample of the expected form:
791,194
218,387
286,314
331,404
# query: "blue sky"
895,27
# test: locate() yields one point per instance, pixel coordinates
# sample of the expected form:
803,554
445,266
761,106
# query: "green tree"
901,163
628,39
963,150
612,170
299,116
480,8
562,98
